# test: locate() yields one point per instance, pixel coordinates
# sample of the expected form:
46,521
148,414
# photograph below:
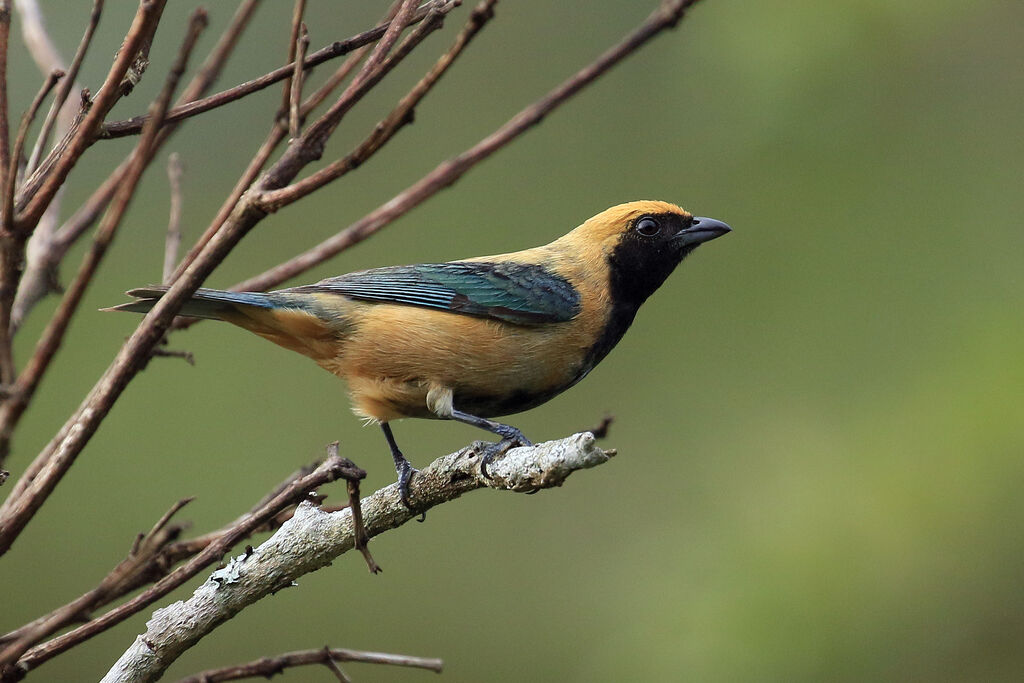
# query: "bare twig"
48,246
386,129
362,538
336,670
5,131
173,241
269,666
207,74
154,557
600,430
27,382
350,63
332,469
445,174
30,8
218,57
11,246
376,66
19,145
373,63
274,138
140,62
306,151
295,85
142,559
298,11
40,278
313,538
39,188
256,165
133,126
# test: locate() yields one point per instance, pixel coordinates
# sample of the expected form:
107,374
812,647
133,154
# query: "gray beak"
701,230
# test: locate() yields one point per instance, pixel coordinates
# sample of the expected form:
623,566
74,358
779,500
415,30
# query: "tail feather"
296,321
212,304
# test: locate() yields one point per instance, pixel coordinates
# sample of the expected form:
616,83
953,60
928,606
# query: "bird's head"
642,243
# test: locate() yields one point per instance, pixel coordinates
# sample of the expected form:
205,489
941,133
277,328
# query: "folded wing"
523,294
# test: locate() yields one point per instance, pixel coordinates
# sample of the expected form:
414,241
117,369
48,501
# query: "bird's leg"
510,437
402,466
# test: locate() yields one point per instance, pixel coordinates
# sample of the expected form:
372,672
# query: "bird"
473,339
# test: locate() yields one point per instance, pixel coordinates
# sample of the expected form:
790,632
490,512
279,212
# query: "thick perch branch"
313,538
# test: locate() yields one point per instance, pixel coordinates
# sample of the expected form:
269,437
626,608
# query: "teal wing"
524,294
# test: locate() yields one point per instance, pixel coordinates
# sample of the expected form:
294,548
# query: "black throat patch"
636,268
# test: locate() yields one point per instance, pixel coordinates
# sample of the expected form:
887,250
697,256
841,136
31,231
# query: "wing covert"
524,294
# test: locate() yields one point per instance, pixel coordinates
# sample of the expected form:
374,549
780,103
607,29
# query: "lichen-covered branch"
312,538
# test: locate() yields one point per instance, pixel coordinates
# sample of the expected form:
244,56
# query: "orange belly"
394,355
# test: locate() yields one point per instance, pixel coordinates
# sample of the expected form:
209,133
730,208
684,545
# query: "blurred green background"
819,417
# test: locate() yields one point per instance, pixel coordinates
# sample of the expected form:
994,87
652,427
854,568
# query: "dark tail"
212,304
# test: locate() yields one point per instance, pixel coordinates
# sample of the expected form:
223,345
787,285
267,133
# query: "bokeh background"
819,417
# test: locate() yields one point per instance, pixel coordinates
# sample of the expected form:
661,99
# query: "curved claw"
493,450
404,477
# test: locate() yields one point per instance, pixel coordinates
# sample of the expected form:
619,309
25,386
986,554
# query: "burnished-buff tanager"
473,339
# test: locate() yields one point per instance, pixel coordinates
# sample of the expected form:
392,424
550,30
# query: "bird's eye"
647,226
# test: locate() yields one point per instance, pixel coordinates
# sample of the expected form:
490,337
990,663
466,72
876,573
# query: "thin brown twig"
376,66
333,468
400,116
5,131
252,170
37,279
51,246
173,241
141,559
38,189
48,344
362,538
346,68
64,89
273,139
310,146
295,85
133,126
600,430
153,558
218,56
140,62
269,666
11,246
448,172
403,18
19,144
336,670
298,11
80,221
349,97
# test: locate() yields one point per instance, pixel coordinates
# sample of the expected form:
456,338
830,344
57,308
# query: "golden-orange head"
641,242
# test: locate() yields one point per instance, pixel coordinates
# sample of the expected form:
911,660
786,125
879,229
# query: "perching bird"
474,339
